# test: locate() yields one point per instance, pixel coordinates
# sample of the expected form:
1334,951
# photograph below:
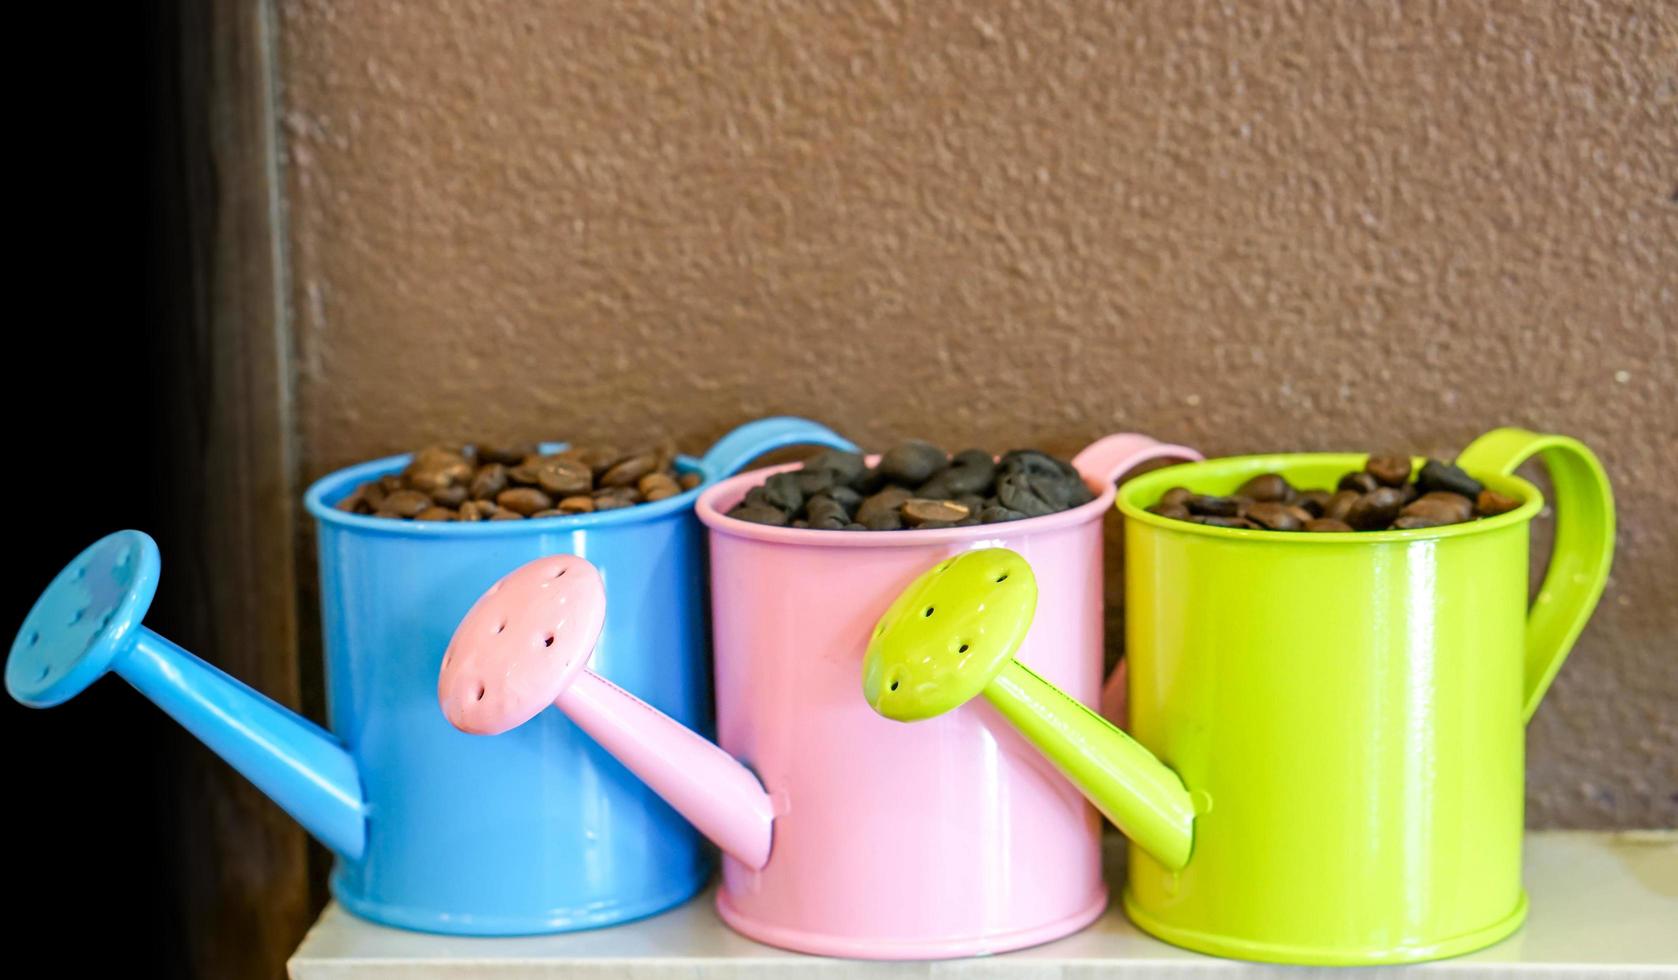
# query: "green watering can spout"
952,635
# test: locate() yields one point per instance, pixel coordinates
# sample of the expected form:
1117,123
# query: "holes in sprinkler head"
76,616
560,573
45,670
928,611
1002,578
81,573
501,627
894,685
34,637
480,696
548,640
962,648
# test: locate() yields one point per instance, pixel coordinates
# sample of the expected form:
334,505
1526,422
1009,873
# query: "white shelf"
1603,905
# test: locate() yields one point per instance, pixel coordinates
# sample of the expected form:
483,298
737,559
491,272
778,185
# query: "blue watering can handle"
733,451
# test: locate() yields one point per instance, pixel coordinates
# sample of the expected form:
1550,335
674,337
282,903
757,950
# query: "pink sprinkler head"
521,644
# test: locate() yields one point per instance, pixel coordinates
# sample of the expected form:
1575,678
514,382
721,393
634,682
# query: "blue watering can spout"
87,622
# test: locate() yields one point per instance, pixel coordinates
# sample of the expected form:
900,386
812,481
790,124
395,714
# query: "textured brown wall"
1253,226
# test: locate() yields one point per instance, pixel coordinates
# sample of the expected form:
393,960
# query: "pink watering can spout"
525,645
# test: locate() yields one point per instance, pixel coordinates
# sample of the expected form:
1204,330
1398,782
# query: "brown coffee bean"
913,462
484,508
1327,524
405,503
689,480
490,480
392,482
1214,520
469,512
1490,503
579,504
662,493
1340,504
442,457
1410,522
663,483
1208,506
1440,506
436,514
550,512
1275,516
886,501
428,479
505,453
1389,469
503,514
451,496
1266,487
626,496
1176,497
1315,501
625,472
610,502
760,514
885,520
597,458
1176,512
564,477
919,512
1375,509
523,500
351,504
1360,481
524,474
373,493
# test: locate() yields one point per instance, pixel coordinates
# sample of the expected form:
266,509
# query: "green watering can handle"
1584,545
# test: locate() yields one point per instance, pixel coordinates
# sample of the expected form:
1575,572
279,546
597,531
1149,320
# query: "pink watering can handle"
1104,461
524,646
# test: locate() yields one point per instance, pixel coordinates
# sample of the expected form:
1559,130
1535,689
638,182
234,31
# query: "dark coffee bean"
625,472
823,507
885,520
782,490
1410,492
1410,522
564,477
1300,514
887,501
973,458
405,503
1340,504
689,480
1176,512
920,513
452,495
854,526
1018,491
970,472
578,504
1266,487
1360,481
1034,461
1327,524
597,458
442,457
760,514
972,501
352,504
997,514
1208,506
829,523
1176,497
870,481
373,493
1445,508
812,482
1212,520
523,500
934,525
848,498
1274,516
505,453
1389,469
624,496
844,466
1375,509
1315,501
489,481
1438,475
1490,503
912,463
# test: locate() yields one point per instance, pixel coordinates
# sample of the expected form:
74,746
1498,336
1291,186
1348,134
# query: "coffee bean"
886,520
886,501
1440,506
564,477
620,496
1490,503
912,463
483,508
1340,504
405,503
1438,475
611,503
490,480
689,480
579,504
996,513
1315,501
442,458
625,472
1360,481
1389,469
352,504
829,523
782,490
844,466
1410,522
854,526
822,507
971,471
660,482
1176,497
1208,506
523,500
918,512
451,496
812,482
760,514
524,474
848,498
1266,487
1213,520
1018,491
436,514
429,479
1176,512
1274,515
469,512
504,453
550,512
1328,524
503,514
1375,509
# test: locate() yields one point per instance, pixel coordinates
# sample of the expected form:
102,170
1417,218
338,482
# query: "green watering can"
1326,763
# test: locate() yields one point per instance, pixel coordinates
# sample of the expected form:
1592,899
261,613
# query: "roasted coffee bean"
452,495
1176,497
1340,504
912,463
829,523
436,514
1490,503
886,520
662,483
352,504
1315,501
1410,522
848,498
971,471
1328,524
972,501
822,507
505,453
1389,469
1439,475
372,494
1208,506
563,477
550,512
524,474
1018,491
450,461
689,480
1440,507
998,514
1274,515
1266,487
812,482
844,466
1034,461
1212,520
483,508
886,501
662,493
919,512
490,480
469,512
760,514
405,503
1375,509
611,502
1360,481
782,490
1176,512
503,514
429,479
625,472
523,500
626,496
578,504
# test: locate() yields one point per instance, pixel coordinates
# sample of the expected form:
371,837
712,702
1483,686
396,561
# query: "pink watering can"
844,833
